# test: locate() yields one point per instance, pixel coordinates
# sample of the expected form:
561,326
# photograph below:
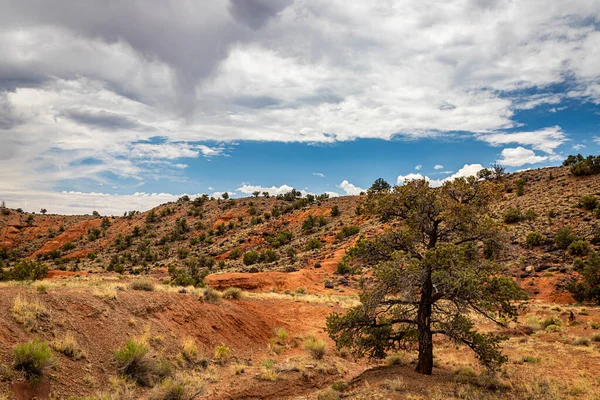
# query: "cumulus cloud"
579,146
438,166
350,189
418,167
273,190
78,80
466,171
516,157
546,140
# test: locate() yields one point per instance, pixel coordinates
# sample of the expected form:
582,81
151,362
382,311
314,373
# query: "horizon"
101,113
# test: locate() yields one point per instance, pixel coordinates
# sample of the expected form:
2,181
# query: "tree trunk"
425,363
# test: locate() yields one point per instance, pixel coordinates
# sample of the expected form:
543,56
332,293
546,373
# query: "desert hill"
124,281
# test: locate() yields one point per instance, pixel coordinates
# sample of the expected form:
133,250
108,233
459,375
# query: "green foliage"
342,268
313,243
347,231
311,223
430,275
281,239
564,238
588,202
335,211
192,273
588,288
316,348
379,186
579,248
520,186
234,254
582,167
25,270
32,359
212,296
133,362
572,160
142,285
513,215
535,239
251,257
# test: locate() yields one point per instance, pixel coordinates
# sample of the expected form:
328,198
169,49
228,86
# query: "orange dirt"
72,233
311,279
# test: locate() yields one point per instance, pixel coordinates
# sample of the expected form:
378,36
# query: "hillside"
110,281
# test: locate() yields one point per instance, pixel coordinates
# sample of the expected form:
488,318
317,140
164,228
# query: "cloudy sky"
120,105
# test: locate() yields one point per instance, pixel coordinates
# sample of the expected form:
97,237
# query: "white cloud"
172,151
350,189
72,202
273,190
418,167
319,174
579,146
516,157
465,171
438,166
546,140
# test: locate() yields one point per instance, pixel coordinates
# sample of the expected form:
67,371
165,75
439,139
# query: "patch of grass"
329,394
212,296
180,387
133,362
189,350
595,337
467,375
531,359
281,335
268,370
553,328
594,325
68,346
41,288
395,385
316,348
581,341
222,354
105,293
552,321
233,293
142,285
32,359
395,359
29,312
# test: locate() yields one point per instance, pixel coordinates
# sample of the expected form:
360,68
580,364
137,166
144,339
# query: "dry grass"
189,350
29,312
316,348
68,346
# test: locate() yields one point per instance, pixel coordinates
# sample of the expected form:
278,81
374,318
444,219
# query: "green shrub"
233,293
32,359
347,231
535,239
588,202
530,215
564,238
551,321
520,186
26,270
343,268
579,248
132,361
251,257
234,254
68,246
222,354
335,211
313,243
513,215
142,285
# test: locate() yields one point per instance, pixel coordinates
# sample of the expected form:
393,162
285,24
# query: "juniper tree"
430,275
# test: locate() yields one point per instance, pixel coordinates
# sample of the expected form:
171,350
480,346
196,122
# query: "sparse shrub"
281,335
552,329
520,186
564,238
316,348
582,341
552,321
596,337
234,254
133,362
68,246
68,346
232,293
26,270
181,387
329,394
467,375
347,231
212,296
281,239
513,215
530,215
251,257
335,211
588,202
535,239
531,359
343,268
268,370
142,285
32,359
587,289
395,359
189,350
579,248
222,354
313,243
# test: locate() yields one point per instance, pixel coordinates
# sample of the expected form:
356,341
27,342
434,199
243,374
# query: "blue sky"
99,113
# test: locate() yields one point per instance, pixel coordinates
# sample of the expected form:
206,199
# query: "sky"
123,105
